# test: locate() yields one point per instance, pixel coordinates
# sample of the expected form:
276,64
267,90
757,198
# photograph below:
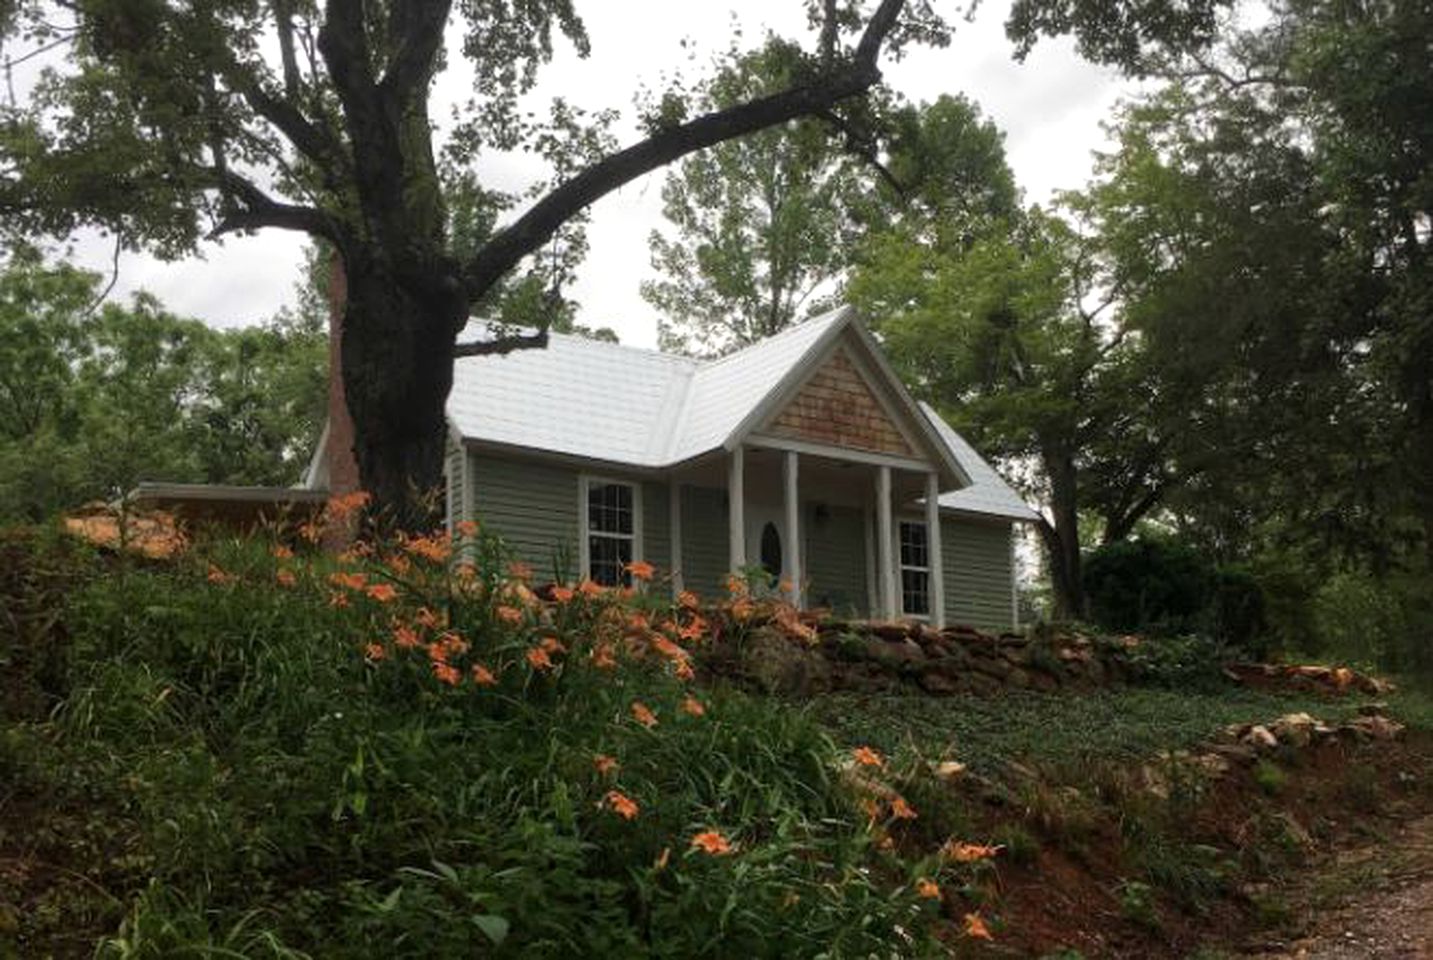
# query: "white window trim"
584,483
902,567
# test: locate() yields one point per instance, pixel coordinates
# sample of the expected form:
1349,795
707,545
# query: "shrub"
1148,584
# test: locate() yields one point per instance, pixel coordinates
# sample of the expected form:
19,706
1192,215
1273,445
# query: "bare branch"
857,146
502,346
533,229
261,210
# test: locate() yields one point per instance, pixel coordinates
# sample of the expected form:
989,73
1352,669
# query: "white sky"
1050,107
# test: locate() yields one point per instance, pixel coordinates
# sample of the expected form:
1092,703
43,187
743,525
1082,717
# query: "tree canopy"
166,122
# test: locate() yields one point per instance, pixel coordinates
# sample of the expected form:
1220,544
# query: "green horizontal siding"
656,527
835,559
978,572
704,542
532,507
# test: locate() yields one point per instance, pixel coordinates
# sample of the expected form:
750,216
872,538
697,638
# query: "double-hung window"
915,569
612,530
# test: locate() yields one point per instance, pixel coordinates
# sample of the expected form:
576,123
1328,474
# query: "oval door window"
771,550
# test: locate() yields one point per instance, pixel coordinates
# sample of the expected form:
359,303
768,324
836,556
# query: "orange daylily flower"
711,843
968,852
341,506
436,548
427,618
975,927
693,707
591,589
438,652
217,575
285,578
467,528
337,599
902,810
641,570
561,594
374,651
483,677
453,643
348,581
643,715
508,614
866,757
689,600
742,609
399,564
684,670
927,889
602,657
405,636
538,659
383,592
605,764
552,645
282,552
621,804
693,630
735,585
447,674
519,570
310,531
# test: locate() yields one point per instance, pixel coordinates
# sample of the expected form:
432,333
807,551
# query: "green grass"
1128,723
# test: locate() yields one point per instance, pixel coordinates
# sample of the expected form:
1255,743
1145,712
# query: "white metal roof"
988,492
627,406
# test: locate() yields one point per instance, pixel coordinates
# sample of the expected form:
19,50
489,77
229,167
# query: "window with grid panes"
915,569
611,532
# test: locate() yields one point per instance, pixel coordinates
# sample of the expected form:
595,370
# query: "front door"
765,539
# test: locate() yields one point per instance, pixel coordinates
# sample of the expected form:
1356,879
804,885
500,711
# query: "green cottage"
803,454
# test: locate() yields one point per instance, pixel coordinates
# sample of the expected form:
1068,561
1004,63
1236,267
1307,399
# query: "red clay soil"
1285,837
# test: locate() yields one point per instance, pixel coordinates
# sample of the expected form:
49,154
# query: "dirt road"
1382,903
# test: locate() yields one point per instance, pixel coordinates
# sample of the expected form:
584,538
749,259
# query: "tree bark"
1062,536
397,355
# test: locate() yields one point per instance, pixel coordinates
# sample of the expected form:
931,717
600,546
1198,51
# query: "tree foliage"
96,398
167,122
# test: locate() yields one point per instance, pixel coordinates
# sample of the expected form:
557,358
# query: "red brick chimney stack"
342,465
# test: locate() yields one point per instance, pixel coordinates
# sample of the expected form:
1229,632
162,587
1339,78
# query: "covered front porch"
835,527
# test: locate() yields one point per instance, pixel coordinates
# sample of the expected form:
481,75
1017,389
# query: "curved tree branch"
532,230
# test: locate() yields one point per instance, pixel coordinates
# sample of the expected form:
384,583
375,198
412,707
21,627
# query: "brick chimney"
342,465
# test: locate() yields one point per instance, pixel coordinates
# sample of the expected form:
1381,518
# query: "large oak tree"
168,122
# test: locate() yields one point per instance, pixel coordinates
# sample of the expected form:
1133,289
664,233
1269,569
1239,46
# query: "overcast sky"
1050,108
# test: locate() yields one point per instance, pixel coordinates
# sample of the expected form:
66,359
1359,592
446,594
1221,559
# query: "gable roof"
633,407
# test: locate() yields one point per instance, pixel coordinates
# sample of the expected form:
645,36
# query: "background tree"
96,398
762,224
172,121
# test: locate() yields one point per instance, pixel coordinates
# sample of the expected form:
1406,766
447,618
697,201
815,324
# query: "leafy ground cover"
1117,724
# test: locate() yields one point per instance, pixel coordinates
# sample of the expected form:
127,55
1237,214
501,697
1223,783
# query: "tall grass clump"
408,750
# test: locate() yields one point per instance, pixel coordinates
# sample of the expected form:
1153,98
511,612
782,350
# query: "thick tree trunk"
397,355
1062,537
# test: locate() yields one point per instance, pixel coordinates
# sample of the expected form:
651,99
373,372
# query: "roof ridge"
586,341
787,331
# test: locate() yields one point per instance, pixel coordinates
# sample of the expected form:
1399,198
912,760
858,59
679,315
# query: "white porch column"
736,509
793,561
935,561
674,522
885,541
